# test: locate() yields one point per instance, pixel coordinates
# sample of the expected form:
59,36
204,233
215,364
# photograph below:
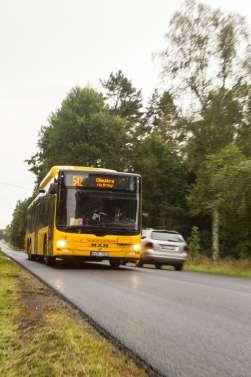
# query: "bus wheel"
30,255
48,260
114,263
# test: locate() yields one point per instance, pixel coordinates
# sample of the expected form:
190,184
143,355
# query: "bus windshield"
89,210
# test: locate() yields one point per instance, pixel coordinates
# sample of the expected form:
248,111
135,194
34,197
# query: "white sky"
49,46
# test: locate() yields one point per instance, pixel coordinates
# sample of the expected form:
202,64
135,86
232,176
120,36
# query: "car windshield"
97,210
165,236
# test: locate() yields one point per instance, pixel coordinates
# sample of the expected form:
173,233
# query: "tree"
194,243
81,132
124,99
207,65
162,117
16,230
221,189
207,62
244,131
215,129
164,182
200,38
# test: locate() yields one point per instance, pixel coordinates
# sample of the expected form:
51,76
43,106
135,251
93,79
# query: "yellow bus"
87,213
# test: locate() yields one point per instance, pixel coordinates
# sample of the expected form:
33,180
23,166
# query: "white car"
163,247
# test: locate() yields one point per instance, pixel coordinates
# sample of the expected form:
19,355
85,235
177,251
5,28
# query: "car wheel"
140,263
178,266
114,263
158,266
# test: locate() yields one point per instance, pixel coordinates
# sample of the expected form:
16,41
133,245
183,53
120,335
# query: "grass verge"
241,268
41,336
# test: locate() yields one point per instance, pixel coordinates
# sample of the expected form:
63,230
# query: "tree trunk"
215,234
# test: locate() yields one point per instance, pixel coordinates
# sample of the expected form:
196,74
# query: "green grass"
8,298
241,268
41,336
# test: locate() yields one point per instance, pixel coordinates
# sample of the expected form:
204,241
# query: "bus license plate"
99,254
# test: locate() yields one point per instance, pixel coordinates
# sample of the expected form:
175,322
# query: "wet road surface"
180,323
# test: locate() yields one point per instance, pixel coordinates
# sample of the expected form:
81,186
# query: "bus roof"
55,169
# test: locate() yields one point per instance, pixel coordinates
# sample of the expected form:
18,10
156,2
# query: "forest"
190,141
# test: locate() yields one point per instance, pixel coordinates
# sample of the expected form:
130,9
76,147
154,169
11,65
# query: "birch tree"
222,187
207,65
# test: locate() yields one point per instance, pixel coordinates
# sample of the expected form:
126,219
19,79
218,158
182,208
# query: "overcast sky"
49,46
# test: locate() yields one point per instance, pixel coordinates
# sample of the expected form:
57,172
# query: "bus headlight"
61,244
136,247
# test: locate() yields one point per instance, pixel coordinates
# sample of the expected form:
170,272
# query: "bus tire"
30,255
114,263
39,258
48,260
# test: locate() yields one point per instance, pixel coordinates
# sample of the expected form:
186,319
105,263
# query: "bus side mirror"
53,188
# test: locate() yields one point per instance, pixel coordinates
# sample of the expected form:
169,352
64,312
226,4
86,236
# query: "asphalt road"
181,323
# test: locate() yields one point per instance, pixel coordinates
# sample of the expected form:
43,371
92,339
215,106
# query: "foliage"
220,116
198,39
207,63
164,182
16,230
162,117
81,132
122,97
194,243
244,132
217,180
223,184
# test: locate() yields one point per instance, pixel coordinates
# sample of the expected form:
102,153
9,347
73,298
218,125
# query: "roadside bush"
194,243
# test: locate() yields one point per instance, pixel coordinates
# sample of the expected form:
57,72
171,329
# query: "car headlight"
61,243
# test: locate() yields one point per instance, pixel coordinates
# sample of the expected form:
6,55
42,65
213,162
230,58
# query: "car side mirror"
53,188
142,237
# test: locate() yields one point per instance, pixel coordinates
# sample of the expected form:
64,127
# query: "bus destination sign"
103,182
